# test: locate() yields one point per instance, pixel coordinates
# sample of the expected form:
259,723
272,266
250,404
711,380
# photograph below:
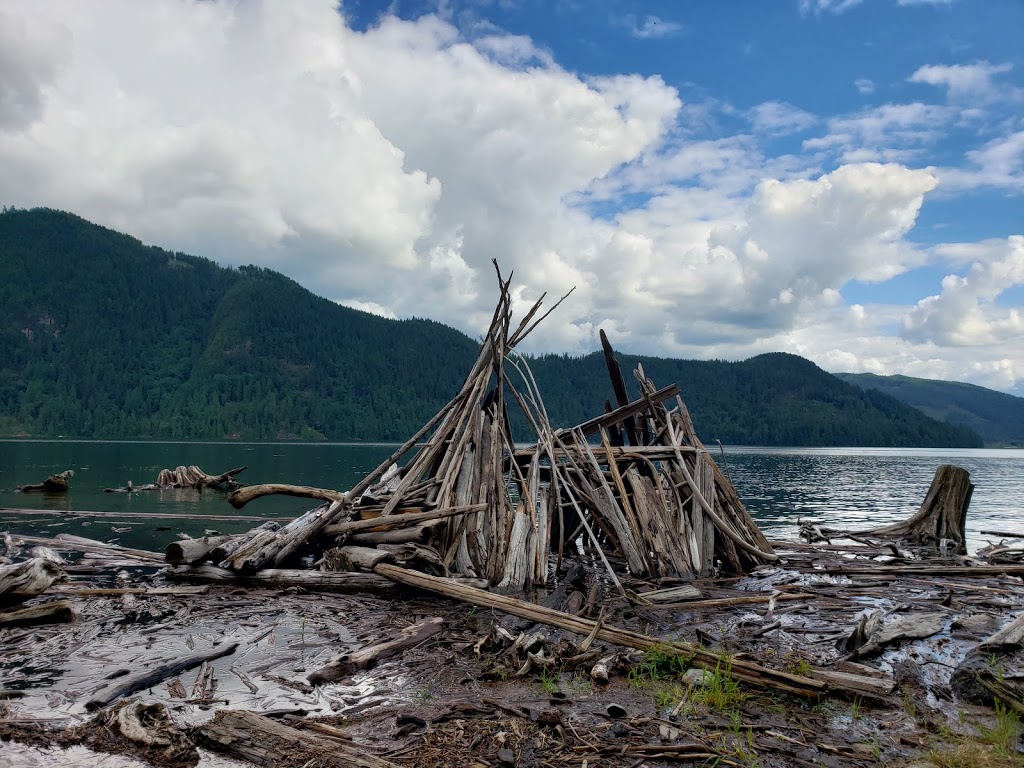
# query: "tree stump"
943,513
941,521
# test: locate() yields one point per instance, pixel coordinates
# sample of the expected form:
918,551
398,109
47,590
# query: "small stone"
696,677
506,757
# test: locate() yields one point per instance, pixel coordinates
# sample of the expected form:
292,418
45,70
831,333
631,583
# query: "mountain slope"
104,337
996,416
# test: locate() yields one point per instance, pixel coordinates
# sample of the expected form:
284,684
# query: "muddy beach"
459,697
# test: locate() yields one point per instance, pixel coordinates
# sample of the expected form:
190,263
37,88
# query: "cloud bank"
385,168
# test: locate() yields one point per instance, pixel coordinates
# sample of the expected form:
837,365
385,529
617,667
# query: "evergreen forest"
104,337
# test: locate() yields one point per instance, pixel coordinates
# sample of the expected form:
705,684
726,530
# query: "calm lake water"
840,487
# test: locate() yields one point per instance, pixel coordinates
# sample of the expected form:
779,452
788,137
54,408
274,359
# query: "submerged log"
193,477
27,579
263,741
57,483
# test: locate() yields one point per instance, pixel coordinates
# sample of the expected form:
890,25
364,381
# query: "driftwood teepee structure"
634,486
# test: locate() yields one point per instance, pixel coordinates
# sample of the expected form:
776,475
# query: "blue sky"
840,179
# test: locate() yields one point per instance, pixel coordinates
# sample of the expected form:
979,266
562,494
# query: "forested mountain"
996,416
104,337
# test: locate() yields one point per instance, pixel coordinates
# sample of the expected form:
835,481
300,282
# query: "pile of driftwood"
634,486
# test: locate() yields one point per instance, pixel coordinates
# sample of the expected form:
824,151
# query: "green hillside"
104,337
996,416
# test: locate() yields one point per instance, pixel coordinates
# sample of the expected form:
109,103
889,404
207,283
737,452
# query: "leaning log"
263,741
27,579
745,671
276,548
123,686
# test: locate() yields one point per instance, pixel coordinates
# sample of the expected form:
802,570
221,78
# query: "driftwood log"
314,581
53,484
124,686
263,741
242,496
193,477
27,579
55,612
368,657
976,678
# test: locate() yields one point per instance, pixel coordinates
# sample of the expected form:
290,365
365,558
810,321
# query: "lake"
839,487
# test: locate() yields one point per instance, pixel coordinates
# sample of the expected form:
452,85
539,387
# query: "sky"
839,179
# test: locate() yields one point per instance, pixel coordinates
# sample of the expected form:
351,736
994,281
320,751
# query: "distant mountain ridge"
997,416
104,337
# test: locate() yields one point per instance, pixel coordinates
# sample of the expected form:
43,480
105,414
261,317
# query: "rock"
506,757
694,677
615,710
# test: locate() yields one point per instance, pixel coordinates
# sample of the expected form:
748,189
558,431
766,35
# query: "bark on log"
742,670
263,741
56,612
27,579
314,581
126,685
368,657
242,496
